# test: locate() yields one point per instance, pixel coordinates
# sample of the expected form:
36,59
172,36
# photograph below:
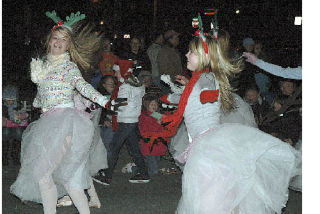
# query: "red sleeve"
209,96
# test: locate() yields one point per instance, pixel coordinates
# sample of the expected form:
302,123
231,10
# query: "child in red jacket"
148,122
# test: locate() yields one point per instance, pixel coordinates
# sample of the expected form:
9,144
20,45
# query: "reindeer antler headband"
197,23
69,20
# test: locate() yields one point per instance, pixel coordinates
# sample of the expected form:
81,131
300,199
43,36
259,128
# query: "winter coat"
147,123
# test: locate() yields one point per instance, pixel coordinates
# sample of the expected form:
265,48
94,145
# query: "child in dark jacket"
288,125
149,121
106,87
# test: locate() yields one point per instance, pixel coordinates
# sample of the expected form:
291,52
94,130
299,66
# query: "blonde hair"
85,46
220,64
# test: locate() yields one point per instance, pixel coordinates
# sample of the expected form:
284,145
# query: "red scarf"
176,117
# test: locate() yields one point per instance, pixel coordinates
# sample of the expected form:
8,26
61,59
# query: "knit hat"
10,92
170,33
247,41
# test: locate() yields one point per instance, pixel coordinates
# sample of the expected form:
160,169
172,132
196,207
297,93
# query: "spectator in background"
153,52
261,78
248,44
145,78
287,87
286,126
106,64
169,58
14,121
143,43
247,76
139,57
149,122
259,105
106,87
108,59
289,73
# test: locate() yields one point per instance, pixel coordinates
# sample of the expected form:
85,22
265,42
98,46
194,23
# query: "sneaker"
139,178
102,179
64,201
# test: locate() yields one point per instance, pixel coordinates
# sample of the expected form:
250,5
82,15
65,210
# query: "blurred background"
271,22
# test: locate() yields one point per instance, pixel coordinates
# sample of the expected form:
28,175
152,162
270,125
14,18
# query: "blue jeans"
106,136
153,164
126,133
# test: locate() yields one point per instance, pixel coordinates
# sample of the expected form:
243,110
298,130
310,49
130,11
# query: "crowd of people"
148,100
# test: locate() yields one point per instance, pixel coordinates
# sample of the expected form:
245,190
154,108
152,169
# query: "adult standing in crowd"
169,58
106,64
153,52
137,55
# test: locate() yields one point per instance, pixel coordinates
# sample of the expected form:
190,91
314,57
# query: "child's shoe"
94,203
64,201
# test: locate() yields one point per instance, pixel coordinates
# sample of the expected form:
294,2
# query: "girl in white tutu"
230,167
55,148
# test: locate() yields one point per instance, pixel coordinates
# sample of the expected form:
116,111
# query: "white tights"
93,194
79,199
49,196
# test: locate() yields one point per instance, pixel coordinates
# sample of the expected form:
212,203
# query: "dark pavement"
160,196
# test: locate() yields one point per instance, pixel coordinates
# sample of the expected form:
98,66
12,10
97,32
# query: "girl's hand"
182,80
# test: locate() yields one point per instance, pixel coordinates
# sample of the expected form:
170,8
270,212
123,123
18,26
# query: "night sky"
24,25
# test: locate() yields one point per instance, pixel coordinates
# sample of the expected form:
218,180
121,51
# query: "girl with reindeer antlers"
230,167
55,148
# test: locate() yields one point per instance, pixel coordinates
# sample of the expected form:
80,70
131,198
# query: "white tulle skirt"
242,114
237,169
98,154
296,182
58,144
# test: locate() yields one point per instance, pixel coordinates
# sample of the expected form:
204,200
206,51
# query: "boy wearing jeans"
127,128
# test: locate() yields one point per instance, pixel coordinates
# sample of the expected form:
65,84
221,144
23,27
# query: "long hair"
220,64
85,45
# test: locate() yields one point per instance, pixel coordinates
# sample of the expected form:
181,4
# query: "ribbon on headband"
197,23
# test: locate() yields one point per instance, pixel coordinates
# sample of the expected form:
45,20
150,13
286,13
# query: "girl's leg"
49,194
94,199
79,199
